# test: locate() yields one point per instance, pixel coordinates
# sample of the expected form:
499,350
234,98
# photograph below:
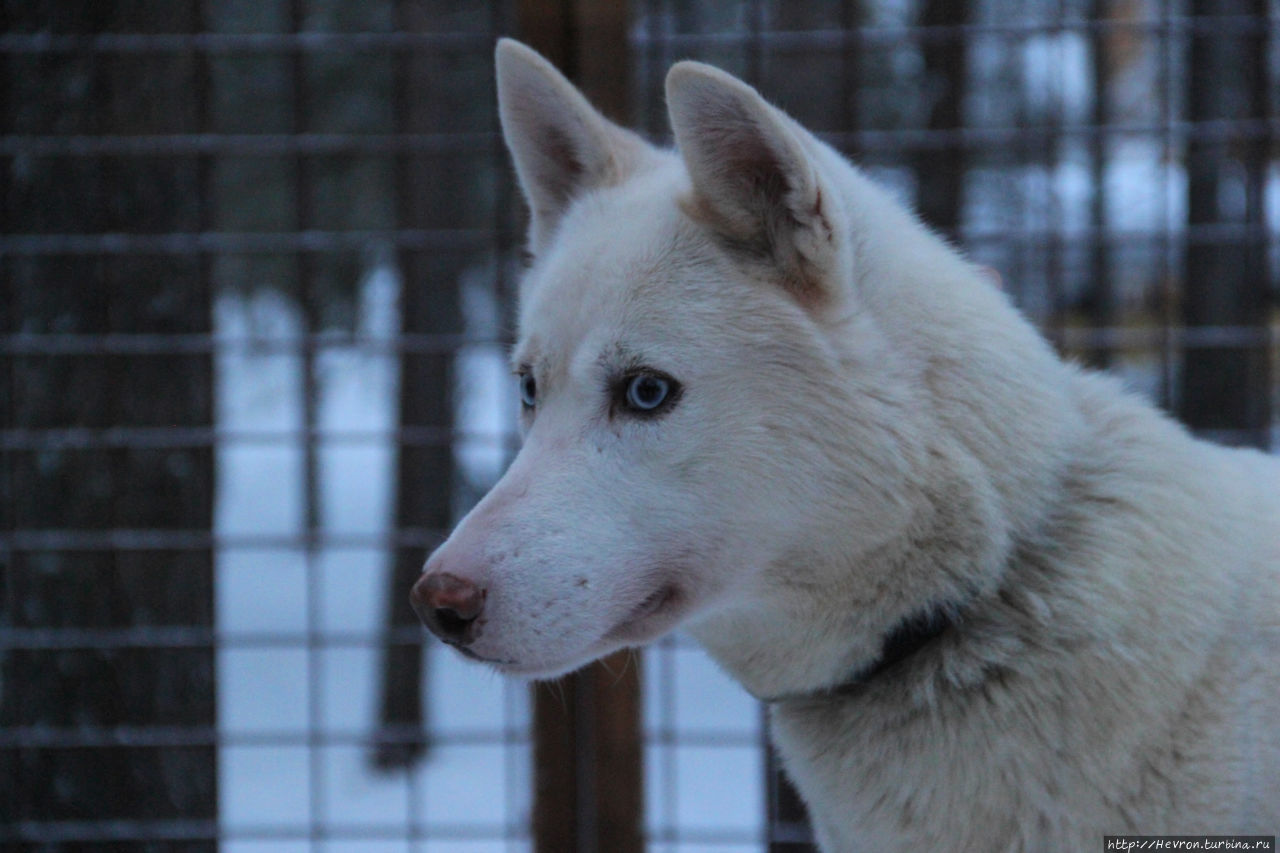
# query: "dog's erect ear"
561,146
753,179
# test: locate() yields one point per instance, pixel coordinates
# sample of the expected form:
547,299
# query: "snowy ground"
298,673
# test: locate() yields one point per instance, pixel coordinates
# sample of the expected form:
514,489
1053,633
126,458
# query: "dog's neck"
910,637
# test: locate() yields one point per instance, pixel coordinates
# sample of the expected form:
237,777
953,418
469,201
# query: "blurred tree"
940,170
436,190
425,474
89,497
1098,297
1226,284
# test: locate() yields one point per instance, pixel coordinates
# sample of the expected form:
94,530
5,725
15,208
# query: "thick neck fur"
1044,520
983,486
1076,651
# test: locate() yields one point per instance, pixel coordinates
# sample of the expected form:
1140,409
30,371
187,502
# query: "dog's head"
707,406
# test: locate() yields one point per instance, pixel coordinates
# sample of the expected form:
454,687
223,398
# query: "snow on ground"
298,669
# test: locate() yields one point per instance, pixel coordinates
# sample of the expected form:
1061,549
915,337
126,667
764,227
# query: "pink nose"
448,605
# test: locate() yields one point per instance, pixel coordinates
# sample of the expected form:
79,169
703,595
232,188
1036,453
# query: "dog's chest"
876,782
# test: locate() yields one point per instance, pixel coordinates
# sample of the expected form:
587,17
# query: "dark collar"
911,636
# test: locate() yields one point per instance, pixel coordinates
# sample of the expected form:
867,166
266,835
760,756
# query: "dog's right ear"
756,182
561,146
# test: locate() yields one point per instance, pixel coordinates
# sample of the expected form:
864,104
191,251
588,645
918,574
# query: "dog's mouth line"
466,652
652,605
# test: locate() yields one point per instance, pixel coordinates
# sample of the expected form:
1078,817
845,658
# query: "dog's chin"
654,616
529,670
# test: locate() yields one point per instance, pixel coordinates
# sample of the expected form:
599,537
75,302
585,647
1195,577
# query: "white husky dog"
996,603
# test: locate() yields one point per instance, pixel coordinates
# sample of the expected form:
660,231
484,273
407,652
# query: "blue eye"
528,390
647,392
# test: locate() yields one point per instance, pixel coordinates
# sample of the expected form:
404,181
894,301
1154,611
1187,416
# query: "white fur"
867,428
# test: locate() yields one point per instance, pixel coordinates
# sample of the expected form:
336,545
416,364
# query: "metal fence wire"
256,274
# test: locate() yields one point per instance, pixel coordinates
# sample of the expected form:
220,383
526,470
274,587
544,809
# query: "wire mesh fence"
258,265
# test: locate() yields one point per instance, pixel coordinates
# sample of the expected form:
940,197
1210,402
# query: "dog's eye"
649,393
528,390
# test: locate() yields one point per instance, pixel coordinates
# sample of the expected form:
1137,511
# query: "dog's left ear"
562,147
754,181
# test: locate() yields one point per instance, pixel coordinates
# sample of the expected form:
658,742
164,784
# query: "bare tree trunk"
1098,302
86,693
425,470
940,171
1227,387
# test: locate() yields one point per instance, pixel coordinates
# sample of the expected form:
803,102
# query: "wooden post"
587,771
